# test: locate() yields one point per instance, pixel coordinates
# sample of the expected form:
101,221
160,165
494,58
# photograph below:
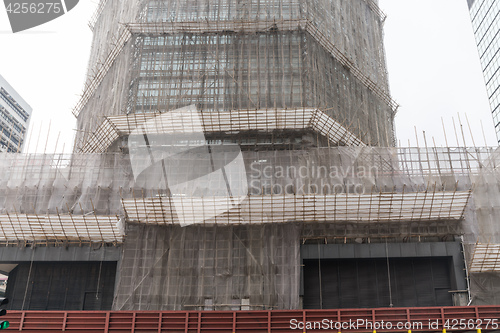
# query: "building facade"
485,16
230,55
238,155
15,117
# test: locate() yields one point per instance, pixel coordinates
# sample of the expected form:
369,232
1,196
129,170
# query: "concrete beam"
71,253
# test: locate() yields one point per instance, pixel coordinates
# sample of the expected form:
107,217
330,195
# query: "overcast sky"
434,72
433,64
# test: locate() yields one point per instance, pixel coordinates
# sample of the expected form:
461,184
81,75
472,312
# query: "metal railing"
429,319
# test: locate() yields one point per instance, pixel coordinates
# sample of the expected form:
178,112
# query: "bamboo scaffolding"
200,27
60,227
373,5
485,258
70,197
98,12
112,127
363,208
203,27
96,79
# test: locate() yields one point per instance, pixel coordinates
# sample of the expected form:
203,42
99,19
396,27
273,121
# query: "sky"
47,66
435,73
433,64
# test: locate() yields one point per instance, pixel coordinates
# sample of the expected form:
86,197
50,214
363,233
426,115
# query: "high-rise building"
485,16
238,155
224,56
271,82
15,117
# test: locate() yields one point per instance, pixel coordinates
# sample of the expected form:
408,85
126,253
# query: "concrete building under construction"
239,155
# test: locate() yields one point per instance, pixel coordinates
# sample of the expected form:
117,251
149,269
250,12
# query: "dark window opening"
364,283
62,286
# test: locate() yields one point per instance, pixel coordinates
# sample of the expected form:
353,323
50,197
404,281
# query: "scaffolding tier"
232,122
225,27
60,228
485,258
354,184
362,208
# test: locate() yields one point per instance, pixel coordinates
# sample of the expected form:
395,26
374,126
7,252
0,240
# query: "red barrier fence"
453,319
